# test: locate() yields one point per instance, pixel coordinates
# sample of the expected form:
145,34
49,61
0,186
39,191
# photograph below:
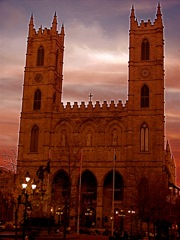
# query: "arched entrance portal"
90,217
60,196
108,196
88,198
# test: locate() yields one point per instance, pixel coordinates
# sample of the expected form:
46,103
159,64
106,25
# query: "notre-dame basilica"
106,159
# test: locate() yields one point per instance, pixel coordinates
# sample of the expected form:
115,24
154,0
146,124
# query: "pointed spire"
159,10
31,20
55,18
62,29
54,23
132,18
31,25
132,11
159,14
167,147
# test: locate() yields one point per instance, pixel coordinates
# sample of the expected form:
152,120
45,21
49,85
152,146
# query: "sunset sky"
96,55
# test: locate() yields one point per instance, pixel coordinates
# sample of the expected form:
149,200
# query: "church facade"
101,157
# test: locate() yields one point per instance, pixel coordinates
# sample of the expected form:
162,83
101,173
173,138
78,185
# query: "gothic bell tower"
43,70
146,63
42,91
146,86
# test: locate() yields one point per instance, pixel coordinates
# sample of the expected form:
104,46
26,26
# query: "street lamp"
122,216
59,212
23,199
131,212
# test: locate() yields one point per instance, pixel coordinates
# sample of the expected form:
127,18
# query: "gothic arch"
37,99
145,49
108,191
88,131
63,134
34,138
60,186
40,56
60,192
57,60
114,133
144,137
119,184
144,96
88,197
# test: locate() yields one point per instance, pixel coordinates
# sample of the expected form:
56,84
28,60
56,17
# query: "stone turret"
170,164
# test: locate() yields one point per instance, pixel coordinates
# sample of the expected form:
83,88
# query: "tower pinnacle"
132,17
31,25
159,10
54,23
132,11
159,15
62,29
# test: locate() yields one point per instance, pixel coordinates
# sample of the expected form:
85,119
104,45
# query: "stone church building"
100,161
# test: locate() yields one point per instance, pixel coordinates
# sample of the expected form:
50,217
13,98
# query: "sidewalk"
75,237
9,235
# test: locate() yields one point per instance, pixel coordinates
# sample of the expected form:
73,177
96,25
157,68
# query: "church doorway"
108,196
90,217
61,195
88,199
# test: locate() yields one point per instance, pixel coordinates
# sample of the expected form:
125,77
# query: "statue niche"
89,139
115,137
63,138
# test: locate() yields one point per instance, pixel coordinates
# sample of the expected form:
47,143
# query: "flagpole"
79,197
112,225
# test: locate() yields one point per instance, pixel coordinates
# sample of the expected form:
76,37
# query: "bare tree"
62,187
8,164
148,194
9,159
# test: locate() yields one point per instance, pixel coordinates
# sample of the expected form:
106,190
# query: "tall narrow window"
144,96
37,100
57,58
144,138
40,56
54,97
145,50
34,139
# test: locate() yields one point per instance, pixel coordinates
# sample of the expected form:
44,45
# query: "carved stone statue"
88,139
114,138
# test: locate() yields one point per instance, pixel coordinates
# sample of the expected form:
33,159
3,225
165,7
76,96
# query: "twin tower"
134,131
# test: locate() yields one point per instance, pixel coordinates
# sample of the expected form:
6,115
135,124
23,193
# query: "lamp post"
23,199
59,212
131,212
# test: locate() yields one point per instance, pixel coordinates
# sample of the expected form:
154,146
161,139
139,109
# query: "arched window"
61,186
144,138
144,96
57,58
54,97
37,100
108,186
40,56
145,50
34,139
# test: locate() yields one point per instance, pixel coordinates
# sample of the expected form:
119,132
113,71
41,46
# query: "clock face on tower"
145,72
38,77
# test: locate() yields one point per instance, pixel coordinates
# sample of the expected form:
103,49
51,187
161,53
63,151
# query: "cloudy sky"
96,55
